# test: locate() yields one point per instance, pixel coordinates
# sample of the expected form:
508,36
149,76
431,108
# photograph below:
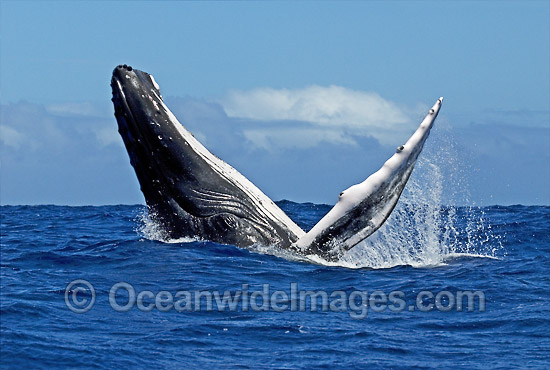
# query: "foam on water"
152,230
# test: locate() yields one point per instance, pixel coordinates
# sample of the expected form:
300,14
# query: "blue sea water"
500,252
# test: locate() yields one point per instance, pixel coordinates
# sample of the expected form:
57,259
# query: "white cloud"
361,113
10,136
296,138
75,109
34,127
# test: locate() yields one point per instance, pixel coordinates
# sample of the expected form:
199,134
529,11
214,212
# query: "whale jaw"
192,193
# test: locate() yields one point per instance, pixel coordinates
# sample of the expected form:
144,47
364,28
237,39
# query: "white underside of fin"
354,195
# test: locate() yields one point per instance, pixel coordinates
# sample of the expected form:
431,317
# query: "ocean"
435,287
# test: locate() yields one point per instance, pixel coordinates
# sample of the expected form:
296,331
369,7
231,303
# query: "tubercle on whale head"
127,77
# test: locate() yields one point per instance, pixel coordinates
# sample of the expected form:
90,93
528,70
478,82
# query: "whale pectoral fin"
364,207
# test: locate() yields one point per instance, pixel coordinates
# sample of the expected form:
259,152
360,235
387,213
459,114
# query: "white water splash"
421,231
152,230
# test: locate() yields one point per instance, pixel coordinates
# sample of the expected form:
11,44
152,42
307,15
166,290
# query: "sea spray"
422,231
150,229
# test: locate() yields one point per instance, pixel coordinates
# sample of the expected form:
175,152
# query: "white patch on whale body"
120,89
155,84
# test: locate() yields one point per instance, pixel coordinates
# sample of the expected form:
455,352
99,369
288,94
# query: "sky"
304,98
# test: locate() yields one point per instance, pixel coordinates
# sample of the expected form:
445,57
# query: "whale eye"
432,111
342,193
400,148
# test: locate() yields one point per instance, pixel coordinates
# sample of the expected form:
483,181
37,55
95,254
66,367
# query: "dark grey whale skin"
183,192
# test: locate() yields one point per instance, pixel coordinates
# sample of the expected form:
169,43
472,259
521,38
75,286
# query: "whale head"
142,122
188,190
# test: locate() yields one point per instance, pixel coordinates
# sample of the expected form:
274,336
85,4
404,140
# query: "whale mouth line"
193,193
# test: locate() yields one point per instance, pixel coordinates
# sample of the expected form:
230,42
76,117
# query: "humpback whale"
192,193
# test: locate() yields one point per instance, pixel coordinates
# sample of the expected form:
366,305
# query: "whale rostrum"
192,193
